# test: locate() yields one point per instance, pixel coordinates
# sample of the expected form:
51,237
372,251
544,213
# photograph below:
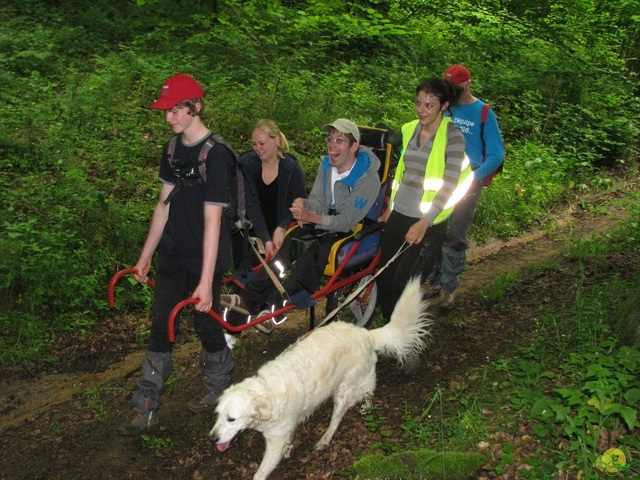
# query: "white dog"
337,360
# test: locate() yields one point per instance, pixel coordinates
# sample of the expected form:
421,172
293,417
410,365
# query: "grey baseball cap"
344,126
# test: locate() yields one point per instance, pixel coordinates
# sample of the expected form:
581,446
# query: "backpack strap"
171,148
204,153
483,119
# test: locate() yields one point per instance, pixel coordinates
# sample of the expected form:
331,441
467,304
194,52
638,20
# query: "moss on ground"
420,464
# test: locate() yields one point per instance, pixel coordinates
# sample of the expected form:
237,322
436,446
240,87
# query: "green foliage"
576,385
79,149
154,442
497,288
466,430
597,247
573,389
601,395
374,423
95,402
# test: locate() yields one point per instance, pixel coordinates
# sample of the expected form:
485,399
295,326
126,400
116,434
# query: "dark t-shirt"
183,233
268,195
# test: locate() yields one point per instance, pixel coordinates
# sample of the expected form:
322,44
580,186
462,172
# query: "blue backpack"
483,119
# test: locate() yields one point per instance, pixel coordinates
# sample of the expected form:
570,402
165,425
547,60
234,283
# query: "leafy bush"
573,389
80,151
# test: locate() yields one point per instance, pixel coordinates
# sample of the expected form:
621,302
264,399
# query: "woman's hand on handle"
417,231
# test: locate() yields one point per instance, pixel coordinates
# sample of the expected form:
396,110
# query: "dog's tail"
405,335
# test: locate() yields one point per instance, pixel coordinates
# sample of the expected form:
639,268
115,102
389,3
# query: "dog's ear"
264,410
261,408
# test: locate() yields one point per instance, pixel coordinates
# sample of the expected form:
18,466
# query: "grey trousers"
454,255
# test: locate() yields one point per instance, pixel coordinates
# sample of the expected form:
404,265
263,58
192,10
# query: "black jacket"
291,185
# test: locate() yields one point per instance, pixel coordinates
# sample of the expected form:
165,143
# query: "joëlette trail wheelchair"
352,261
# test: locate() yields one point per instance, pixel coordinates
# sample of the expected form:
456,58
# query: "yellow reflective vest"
434,172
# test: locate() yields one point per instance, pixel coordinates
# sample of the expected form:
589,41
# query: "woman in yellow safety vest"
432,176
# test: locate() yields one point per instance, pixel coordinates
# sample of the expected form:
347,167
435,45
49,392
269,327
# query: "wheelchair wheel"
360,310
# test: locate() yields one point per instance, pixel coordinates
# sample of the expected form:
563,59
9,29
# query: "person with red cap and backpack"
192,237
485,150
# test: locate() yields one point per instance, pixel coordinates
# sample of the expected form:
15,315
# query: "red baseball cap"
457,74
178,88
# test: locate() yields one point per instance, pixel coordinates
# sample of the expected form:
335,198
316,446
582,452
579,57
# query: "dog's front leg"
277,446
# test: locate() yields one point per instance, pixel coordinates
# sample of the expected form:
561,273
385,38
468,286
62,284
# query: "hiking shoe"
433,290
265,327
234,317
384,359
411,366
204,401
140,423
446,300
234,302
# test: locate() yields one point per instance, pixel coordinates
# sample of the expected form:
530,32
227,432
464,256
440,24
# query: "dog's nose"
213,438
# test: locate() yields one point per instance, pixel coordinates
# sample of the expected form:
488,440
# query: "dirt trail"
24,399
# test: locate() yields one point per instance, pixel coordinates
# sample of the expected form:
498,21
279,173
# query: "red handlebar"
171,330
176,309
116,277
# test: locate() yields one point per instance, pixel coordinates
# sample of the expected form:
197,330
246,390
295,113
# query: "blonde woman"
276,179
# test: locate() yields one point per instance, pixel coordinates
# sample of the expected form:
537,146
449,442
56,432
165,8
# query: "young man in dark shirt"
192,238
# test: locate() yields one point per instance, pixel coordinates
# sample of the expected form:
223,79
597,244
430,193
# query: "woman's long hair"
272,130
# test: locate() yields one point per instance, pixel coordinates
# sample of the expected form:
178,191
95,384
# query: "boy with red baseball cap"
192,239
176,89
